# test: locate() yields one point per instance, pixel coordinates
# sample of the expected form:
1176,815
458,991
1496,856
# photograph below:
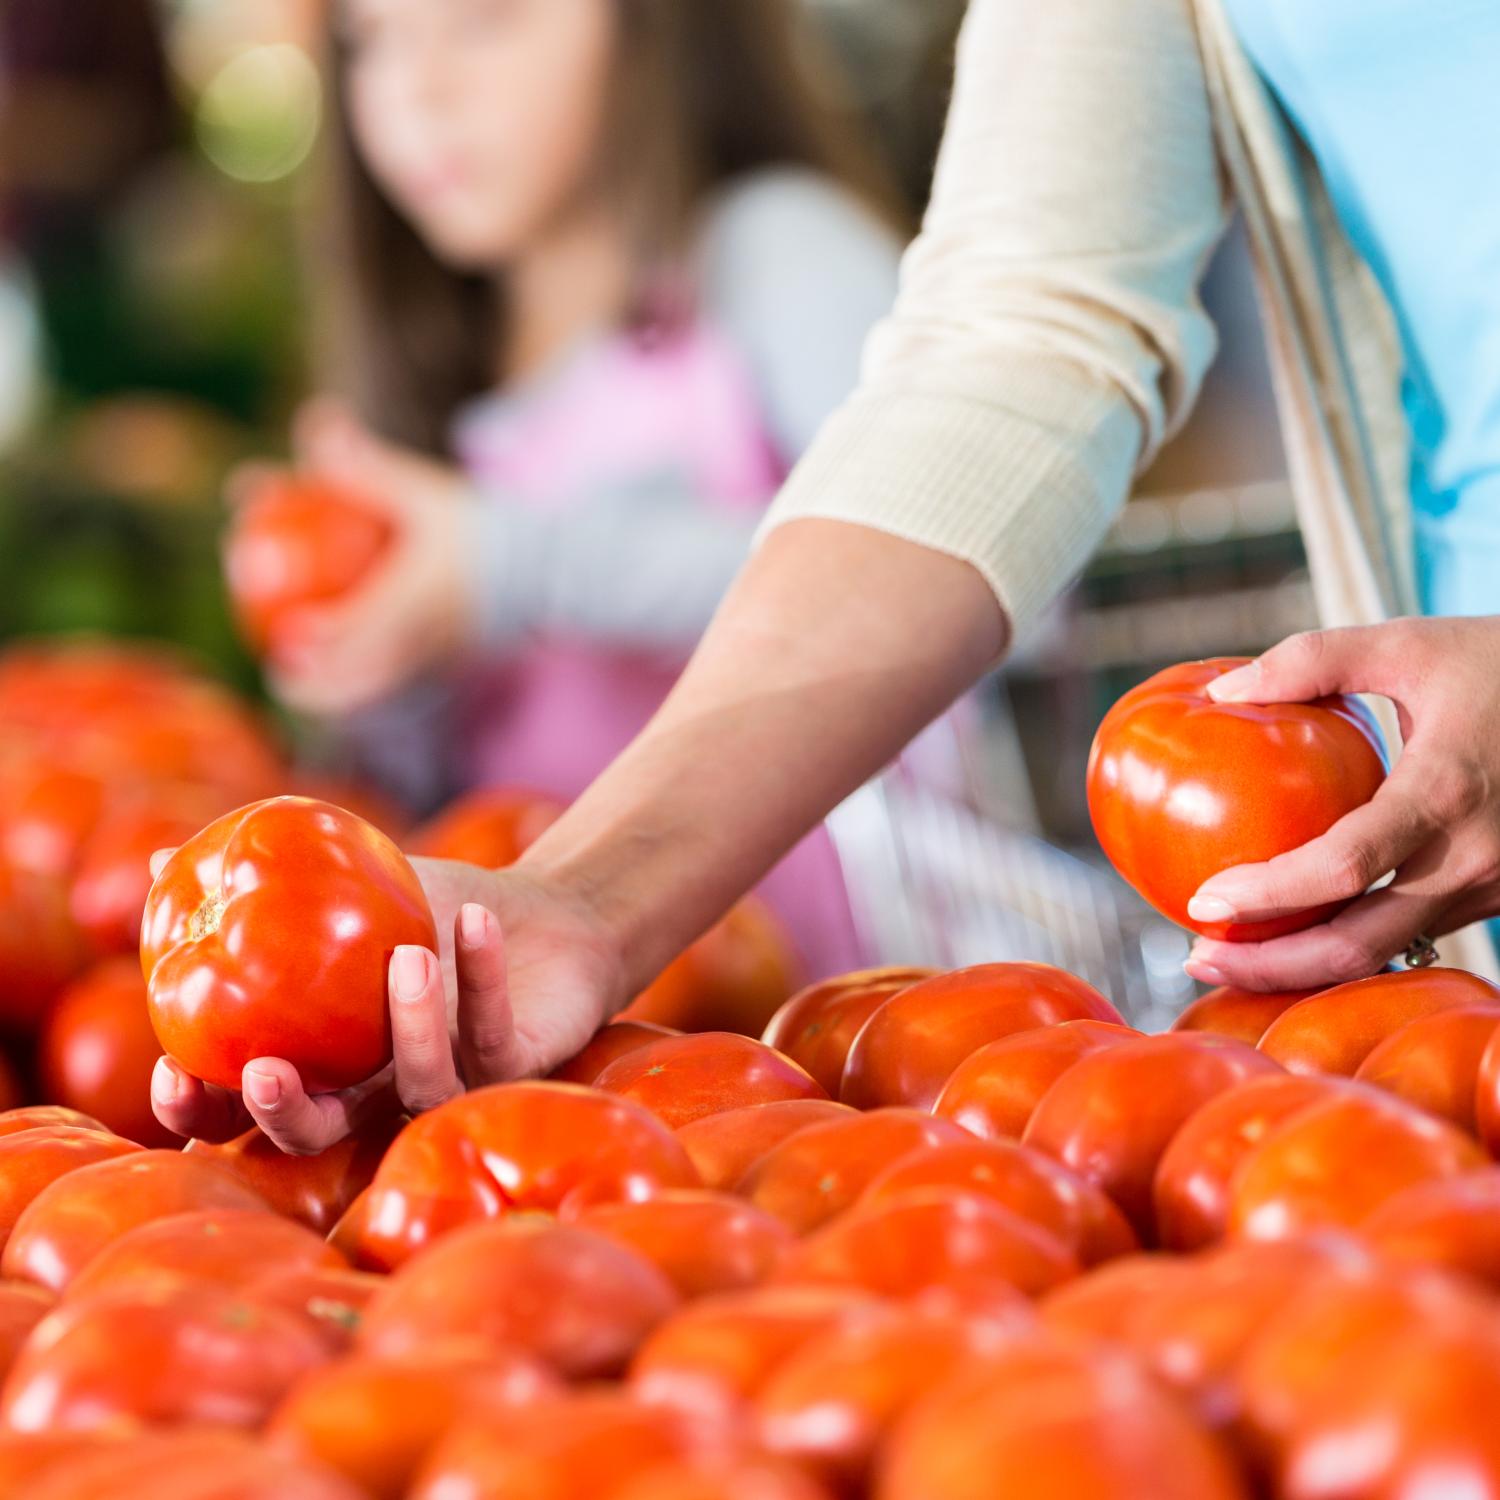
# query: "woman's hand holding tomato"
1434,821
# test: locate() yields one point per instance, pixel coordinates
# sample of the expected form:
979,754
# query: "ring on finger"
1421,952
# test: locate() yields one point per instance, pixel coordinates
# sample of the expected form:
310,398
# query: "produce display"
925,1236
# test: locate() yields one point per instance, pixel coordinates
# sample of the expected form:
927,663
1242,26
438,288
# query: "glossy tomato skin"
1181,788
158,1356
683,1078
491,826
993,1092
269,935
1451,1222
817,1026
22,1307
1191,1190
1043,1419
314,1190
97,1051
723,1147
297,543
1486,1098
1241,1014
76,1217
514,1146
579,1302
37,1116
1111,1116
734,978
375,1420
31,1160
1333,1163
1433,1062
816,1174
909,1047
1336,1030
612,1041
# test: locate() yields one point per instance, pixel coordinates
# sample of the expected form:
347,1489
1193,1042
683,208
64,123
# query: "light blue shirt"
1399,101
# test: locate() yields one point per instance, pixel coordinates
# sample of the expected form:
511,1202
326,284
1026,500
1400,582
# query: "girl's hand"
415,609
525,979
1435,822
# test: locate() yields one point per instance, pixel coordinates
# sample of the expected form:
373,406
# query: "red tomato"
1192,1187
1486,1097
32,1462
356,796
712,1357
734,978
590,1445
512,1146
1241,1014
1111,1116
683,1078
269,935
704,1242
315,1190
923,1240
831,1403
993,1092
1337,1160
40,948
1433,1062
492,827
348,1235
157,1356
723,1147
31,1160
738,1478
22,1307
38,1116
1029,1184
113,874
574,1299
612,1041
47,811
1042,1419
1181,788
818,1172
97,1051
330,1299
234,1248
817,1026
1101,1303
1336,1030
909,1047
1452,1223
299,542
75,1218
375,1420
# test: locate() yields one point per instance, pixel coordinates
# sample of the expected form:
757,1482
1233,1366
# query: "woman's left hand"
415,609
1435,822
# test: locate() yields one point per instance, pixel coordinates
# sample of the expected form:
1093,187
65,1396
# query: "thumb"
1312,665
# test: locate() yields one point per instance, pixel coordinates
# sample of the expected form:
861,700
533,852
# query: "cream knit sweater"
1048,336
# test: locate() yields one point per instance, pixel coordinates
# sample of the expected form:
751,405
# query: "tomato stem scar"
205,921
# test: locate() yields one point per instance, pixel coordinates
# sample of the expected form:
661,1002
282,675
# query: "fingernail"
1210,909
1235,684
472,921
264,1089
164,1082
1205,973
409,973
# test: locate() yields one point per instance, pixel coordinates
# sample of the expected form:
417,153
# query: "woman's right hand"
526,976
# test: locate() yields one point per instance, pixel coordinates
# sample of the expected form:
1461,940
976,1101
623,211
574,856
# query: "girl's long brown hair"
705,90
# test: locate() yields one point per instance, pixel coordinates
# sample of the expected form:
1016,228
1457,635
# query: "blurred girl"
619,257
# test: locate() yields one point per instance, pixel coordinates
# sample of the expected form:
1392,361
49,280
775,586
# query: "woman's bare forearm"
835,647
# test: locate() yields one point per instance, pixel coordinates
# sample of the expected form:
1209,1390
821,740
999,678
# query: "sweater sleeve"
1048,335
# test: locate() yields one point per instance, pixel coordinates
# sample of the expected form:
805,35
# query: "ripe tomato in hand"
31,1160
299,542
723,1147
817,1026
909,1047
576,1300
1335,1030
1181,788
269,934
683,1078
1111,1116
97,1050
514,1146
993,1092
491,827
1241,1014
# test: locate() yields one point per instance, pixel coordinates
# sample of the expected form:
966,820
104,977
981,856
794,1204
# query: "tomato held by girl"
617,259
